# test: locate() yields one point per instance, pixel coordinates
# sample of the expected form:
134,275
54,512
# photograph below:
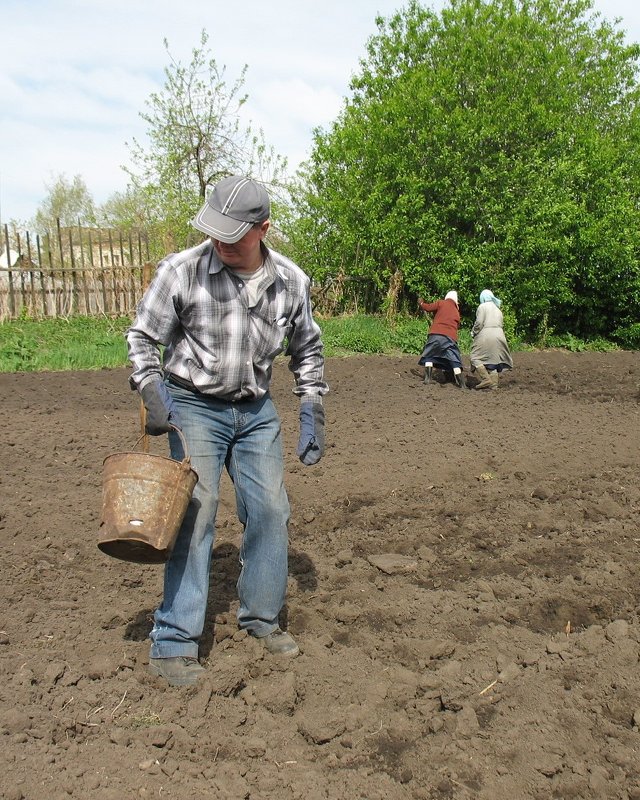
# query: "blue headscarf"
487,296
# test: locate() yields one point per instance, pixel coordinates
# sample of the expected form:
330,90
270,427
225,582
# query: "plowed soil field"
464,586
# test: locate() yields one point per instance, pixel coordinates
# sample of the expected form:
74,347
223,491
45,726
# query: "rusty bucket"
144,500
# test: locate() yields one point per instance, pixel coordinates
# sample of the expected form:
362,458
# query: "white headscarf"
452,296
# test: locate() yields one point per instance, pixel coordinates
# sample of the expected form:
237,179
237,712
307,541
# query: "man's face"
245,254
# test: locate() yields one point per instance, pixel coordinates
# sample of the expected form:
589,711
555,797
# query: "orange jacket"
447,318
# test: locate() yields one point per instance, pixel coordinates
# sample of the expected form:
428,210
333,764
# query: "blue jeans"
245,438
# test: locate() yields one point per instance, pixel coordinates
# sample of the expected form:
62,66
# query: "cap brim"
219,226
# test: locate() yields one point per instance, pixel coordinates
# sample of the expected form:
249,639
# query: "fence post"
7,249
116,294
20,265
74,277
147,271
41,271
62,270
31,282
131,300
86,292
52,278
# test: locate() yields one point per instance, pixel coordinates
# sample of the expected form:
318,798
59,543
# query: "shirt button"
248,363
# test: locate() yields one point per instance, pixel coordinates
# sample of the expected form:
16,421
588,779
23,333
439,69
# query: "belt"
184,383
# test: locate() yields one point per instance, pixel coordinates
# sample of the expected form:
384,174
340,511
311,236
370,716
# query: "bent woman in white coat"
490,352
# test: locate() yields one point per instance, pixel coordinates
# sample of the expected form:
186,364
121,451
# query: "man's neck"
244,272
245,269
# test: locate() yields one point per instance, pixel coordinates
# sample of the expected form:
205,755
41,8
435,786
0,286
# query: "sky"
76,74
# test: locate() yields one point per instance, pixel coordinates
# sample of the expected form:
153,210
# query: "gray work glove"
161,412
311,442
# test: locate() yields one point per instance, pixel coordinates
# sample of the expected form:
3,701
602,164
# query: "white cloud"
75,75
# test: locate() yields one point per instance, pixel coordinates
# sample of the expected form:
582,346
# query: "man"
223,311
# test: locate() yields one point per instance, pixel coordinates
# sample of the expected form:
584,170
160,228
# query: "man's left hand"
311,442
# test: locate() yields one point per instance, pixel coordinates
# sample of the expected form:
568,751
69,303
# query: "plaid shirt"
198,310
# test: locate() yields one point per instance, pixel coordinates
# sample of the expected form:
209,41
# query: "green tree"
195,137
494,144
66,200
127,210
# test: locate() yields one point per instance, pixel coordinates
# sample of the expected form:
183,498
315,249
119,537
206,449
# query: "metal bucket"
144,500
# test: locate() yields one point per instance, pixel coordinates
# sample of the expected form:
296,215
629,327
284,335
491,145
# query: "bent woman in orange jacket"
441,348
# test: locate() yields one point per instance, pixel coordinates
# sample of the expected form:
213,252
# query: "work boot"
494,377
428,371
177,671
459,379
279,643
485,378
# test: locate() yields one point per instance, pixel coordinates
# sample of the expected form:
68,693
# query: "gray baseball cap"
234,205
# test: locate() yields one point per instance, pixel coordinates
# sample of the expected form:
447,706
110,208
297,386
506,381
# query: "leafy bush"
409,335
629,336
568,341
358,334
510,324
465,341
17,351
550,221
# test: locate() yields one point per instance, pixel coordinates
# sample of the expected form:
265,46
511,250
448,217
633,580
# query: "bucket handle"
187,457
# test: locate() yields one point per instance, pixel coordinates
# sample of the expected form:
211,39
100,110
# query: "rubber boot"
485,378
494,377
427,374
459,379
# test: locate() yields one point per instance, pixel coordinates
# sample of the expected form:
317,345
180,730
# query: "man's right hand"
161,412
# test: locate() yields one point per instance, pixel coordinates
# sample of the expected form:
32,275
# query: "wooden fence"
75,271
81,271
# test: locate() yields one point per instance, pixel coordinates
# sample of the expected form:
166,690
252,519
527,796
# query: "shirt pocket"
271,327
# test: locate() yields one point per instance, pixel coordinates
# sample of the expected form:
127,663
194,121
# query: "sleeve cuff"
311,398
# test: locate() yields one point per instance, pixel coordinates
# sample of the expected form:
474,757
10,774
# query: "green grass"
362,333
97,343
570,342
62,344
